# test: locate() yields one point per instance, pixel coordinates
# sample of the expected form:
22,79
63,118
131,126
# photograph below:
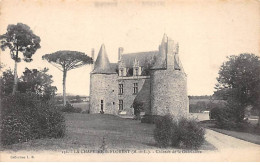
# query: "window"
121,105
135,88
102,106
121,72
121,89
136,71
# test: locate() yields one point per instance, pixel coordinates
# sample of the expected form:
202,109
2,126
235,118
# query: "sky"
207,32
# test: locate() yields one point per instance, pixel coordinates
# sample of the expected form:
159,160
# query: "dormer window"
121,72
122,69
136,68
136,72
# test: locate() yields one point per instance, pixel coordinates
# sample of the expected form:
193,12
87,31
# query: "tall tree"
19,38
239,81
65,61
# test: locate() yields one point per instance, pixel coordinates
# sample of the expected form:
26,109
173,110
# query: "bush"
56,125
70,109
189,133
214,113
25,117
150,119
138,107
163,131
87,111
178,132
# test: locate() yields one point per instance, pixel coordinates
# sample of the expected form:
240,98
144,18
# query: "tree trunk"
64,86
258,124
15,78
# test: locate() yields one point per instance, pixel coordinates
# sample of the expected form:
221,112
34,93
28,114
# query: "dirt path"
230,147
222,142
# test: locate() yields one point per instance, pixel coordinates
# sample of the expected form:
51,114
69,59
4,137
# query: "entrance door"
102,107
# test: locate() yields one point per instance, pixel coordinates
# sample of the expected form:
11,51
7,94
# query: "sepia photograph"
129,81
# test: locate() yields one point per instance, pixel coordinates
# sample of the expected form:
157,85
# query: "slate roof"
114,66
102,64
144,96
142,57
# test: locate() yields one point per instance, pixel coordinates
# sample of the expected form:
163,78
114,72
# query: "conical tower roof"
102,64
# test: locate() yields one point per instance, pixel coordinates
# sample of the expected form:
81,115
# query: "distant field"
200,116
84,105
194,101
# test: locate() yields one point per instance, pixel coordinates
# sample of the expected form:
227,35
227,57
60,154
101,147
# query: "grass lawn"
83,105
88,130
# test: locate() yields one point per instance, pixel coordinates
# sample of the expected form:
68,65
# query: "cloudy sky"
207,32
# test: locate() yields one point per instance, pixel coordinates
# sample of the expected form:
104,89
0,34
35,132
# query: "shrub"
163,131
150,119
189,133
25,117
138,107
178,132
214,113
147,119
56,125
70,109
87,111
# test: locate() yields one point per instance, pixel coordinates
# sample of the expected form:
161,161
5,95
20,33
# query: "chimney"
170,53
120,52
93,54
93,57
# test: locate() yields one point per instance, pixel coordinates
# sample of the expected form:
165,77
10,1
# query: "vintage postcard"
135,80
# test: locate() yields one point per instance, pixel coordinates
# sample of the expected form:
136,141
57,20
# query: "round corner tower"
103,85
168,82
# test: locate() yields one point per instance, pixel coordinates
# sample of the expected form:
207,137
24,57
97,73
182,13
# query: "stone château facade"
155,79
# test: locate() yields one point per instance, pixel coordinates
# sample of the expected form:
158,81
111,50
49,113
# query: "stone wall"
128,96
169,92
104,87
